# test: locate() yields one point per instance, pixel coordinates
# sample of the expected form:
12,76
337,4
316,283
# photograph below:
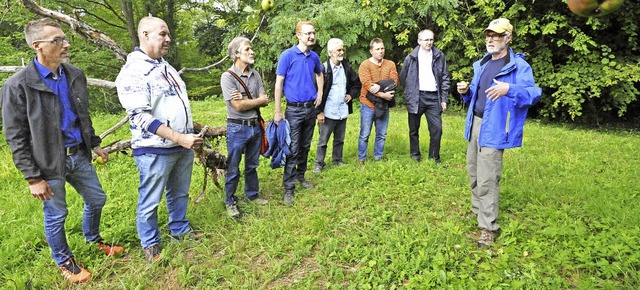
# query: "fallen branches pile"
211,160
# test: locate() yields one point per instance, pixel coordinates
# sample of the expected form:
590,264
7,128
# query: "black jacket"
31,121
409,78
353,84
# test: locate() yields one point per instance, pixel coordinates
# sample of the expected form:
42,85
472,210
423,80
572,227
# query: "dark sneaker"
288,198
339,163
416,158
306,184
232,211
152,253
110,249
317,169
73,272
260,201
486,239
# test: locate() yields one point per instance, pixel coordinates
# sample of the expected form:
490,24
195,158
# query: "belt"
73,149
429,92
309,104
249,122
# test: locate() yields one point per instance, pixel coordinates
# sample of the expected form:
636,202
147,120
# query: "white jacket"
152,91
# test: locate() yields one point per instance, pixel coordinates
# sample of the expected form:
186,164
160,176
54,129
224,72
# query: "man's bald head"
154,36
147,23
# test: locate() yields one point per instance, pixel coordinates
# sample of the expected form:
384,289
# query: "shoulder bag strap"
244,86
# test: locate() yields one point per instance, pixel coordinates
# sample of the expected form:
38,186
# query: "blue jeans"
302,122
366,121
159,173
247,140
82,176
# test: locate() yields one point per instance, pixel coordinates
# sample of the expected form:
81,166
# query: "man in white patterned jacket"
155,98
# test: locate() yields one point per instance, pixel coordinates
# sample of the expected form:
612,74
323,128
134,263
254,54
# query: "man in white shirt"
425,79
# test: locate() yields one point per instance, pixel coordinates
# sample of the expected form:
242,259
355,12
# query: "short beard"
497,48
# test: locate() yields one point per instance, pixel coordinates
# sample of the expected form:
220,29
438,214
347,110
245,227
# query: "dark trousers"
302,122
338,128
431,108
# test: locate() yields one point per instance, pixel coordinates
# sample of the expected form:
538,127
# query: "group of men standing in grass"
500,93
47,123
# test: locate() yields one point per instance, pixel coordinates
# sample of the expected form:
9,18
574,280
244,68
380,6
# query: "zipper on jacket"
507,126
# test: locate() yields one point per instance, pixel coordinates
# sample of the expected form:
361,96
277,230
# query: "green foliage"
587,67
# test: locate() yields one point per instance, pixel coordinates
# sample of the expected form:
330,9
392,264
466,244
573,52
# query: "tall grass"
569,219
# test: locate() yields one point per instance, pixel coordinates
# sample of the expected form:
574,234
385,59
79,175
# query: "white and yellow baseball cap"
499,25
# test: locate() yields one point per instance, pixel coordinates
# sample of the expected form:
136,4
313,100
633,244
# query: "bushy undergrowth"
569,219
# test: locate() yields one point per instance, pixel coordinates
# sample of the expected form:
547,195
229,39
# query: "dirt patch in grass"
307,267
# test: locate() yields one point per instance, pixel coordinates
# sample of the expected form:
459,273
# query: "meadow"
569,218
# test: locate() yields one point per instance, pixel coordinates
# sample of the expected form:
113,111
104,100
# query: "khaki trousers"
484,167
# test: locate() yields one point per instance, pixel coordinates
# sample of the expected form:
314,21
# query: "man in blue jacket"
500,93
425,78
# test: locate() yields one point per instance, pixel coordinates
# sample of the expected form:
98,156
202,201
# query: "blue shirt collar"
45,72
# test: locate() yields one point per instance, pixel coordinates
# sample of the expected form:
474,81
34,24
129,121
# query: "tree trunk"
127,9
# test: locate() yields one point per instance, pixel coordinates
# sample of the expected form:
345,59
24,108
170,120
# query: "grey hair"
33,29
423,32
332,44
234,46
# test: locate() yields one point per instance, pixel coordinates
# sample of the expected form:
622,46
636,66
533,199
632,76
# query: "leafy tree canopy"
588,67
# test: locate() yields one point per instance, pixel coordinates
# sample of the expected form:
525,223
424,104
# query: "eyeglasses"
494,37
56,41
427,39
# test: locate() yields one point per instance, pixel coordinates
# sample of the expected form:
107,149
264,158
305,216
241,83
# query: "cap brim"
496,30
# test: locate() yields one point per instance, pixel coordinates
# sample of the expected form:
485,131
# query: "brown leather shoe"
110,249
73,272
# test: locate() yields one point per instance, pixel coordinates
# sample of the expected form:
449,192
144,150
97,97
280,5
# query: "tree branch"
90,81
186,69
81,28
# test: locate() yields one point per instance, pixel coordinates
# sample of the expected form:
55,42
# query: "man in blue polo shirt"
296,69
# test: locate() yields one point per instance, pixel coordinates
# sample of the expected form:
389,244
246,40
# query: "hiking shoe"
486,239
317,169
110,249
73,272
361,161
288,198
152,253
260,201
232,211
306,184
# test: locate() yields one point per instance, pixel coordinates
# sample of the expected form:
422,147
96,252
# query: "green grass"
569,218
